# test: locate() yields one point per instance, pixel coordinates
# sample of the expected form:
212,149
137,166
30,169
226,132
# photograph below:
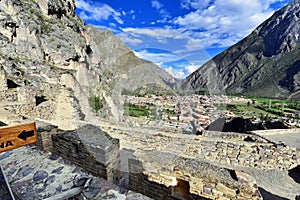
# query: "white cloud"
218,18
179,74
196,4
130,40
161,58
191,68
158,58
156,4
158,33
208,24
159,6
97,11
193,44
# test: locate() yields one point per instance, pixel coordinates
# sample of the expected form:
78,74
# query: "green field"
242,110
136,111
267,107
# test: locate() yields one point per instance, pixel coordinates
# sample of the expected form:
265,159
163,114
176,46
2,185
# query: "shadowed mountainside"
265,63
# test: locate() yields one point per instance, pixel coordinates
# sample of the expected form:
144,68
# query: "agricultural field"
266,108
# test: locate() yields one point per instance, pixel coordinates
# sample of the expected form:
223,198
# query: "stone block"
217,193
207,190
90,148
226,190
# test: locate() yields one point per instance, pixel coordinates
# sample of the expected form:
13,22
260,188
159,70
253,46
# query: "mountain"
265,63
47,51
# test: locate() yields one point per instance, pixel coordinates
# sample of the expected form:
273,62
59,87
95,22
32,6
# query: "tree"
96,103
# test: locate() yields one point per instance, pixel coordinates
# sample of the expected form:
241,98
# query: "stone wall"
3,80
26,95
182,178
44,136
276,131
92,149
8,96
162,174
248,150
45,111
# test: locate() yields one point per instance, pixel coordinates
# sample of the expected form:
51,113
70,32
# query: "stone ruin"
163,175
183,178
92,149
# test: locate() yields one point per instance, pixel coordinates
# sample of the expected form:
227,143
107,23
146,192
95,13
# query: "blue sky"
178,35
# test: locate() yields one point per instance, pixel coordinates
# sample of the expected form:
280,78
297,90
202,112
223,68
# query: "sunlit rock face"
46,48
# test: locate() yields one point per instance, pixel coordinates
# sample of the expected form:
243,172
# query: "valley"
193,113
112,125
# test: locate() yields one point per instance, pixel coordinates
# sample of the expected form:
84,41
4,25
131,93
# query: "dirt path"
295,93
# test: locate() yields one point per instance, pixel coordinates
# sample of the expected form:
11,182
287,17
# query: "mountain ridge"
247,67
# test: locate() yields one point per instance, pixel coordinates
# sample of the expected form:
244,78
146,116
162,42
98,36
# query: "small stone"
207,190
76,170
50,180
5,155
57,170
24,171
40,189
92,188
11,171
80,180
39,176
53,157
59,188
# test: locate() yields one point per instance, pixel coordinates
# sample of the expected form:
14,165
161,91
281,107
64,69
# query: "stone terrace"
230,149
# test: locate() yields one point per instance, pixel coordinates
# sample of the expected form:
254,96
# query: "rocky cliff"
47,51
265,63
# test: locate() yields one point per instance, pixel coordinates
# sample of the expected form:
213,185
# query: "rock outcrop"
47,50
265,63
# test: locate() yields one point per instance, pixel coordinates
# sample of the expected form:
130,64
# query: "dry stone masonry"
173,166
92,149
248,150
175,177
233,149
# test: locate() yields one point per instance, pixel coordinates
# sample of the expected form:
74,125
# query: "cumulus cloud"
97,11
179,74
210,23
206,24
233,19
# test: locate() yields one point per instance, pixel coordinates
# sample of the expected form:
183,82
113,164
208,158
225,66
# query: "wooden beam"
66,195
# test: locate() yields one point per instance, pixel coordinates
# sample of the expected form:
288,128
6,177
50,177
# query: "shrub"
96,102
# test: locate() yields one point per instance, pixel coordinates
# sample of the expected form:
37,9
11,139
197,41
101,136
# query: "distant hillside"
265,63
